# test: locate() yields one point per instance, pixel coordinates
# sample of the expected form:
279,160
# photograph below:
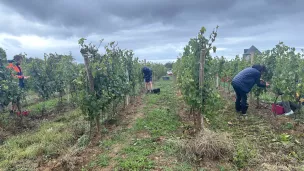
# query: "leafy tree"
169,65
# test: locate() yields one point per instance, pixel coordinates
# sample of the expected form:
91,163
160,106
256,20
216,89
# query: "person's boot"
289,113
244,110
11,113
238,107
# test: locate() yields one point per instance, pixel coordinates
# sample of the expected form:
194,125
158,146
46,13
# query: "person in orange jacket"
14,65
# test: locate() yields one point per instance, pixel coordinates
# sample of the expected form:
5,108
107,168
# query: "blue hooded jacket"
147,72
246,79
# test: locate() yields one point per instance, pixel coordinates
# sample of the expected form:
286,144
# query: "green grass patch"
169,147
117,137
159,119
103,160
179,167
136,155
135,162
158,122
245,154
287,126
48,141
48,105
160,113
143,147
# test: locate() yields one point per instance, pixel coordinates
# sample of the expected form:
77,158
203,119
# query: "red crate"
277,109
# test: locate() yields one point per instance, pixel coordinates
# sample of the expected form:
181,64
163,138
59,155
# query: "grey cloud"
124,21
99,16
11,43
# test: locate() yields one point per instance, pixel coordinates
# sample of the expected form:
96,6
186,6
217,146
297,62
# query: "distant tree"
169,65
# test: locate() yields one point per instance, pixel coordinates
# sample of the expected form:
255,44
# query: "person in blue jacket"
243,82
148,78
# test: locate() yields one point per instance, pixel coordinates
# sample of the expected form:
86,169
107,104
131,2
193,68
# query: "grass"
151,136
48,105
36,109
103,160
49,141
160,120
181,166
136,155
257,143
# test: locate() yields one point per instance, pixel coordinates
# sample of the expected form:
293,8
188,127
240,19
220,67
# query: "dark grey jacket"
246,79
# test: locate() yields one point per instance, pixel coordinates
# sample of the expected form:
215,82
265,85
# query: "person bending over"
242,84
148,78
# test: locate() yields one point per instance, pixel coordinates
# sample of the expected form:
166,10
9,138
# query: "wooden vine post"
91,84
200,118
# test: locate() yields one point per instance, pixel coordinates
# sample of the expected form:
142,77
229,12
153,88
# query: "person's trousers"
241,100
288,106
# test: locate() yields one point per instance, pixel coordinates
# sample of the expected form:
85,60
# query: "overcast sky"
157,30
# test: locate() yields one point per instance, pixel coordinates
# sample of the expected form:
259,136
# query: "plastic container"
277,109
166,78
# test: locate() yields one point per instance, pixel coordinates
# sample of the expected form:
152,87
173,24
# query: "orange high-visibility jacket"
17,69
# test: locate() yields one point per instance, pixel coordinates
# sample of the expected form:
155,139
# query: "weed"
285,138
287,126
135,162
92,164
103,160
84,169
170,147
83,141
179,167
107,143
245,154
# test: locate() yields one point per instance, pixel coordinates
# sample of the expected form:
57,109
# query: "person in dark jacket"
243,83
148,78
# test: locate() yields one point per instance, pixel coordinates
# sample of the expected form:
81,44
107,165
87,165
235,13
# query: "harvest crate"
277,109
166,78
